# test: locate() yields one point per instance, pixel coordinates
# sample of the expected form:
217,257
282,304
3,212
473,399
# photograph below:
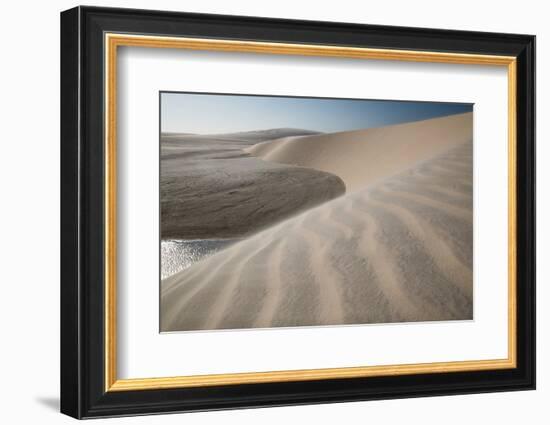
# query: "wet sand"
211,188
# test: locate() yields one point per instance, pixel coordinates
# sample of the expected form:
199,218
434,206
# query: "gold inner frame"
113,41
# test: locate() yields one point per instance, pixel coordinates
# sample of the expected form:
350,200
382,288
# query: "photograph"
280,211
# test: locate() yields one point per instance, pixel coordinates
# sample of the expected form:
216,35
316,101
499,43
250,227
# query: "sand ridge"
362,157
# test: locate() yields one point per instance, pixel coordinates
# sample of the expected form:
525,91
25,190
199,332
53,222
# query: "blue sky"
214,114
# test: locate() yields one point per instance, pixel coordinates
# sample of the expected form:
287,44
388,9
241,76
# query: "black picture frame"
83,392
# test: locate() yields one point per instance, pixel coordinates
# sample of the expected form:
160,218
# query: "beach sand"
396,248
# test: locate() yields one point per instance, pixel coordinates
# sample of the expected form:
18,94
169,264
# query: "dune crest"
362,157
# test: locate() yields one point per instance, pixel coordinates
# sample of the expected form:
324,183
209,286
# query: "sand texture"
362,157
211,188
397,247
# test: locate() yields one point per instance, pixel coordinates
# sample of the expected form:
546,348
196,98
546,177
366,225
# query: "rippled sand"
398,249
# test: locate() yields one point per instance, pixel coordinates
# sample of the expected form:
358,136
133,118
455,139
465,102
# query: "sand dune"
364,156
399,249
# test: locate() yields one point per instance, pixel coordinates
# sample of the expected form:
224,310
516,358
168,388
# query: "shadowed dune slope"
350,154
211,188
398,250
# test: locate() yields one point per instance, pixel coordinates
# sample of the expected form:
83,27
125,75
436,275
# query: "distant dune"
270,134
243,137
364,156
397,248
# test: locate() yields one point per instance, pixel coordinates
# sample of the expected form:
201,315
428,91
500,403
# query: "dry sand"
361,157
397,248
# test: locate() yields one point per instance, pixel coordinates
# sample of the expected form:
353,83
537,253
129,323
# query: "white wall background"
29,224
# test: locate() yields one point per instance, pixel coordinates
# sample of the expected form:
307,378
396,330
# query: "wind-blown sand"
397,248
363,156
211,188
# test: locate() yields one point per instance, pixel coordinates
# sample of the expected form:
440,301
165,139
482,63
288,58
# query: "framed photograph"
261,212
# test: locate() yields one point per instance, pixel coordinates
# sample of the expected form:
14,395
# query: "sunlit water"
176,255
